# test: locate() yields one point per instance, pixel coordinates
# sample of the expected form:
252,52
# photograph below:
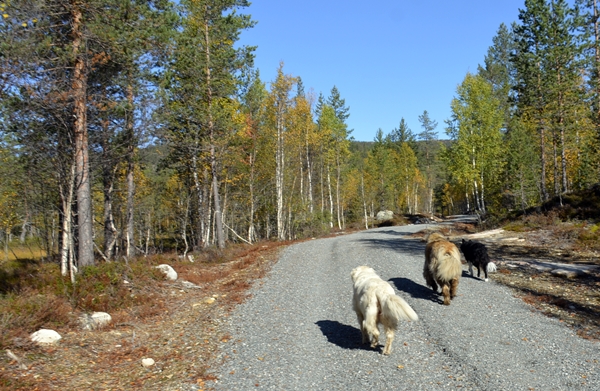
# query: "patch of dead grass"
151,318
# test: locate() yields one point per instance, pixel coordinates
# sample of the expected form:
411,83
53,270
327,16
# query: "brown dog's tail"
395,308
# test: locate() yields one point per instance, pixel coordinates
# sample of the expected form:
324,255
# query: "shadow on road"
344,336
400,242
392,232
465,274
417,291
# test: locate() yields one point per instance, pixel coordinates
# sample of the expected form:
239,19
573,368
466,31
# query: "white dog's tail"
491,267
395,308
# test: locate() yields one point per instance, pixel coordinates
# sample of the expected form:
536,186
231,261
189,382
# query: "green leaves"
476,155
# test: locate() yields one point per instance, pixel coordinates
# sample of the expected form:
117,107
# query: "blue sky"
389,59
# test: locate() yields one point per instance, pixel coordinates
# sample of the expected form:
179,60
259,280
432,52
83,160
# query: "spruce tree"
199,88
531,81
498,69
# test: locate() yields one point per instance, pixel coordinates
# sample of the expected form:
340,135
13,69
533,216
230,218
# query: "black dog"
476,254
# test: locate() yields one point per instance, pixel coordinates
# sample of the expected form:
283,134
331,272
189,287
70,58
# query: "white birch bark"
330,198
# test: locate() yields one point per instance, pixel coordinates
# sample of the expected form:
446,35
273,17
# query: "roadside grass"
34,295
14,252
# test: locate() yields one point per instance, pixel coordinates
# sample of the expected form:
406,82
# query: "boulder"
168,271
385,215
189,285
567,273
94,321
147,362
45,337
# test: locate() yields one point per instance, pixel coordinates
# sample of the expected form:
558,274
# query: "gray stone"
96,320
45,337
566,273
168,271
385,215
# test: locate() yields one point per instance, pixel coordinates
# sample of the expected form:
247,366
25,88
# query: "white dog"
375,302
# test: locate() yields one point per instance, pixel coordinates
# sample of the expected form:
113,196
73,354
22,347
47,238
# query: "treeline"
130,127
525,128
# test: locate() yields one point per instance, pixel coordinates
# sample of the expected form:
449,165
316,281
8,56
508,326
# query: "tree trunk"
563,155
251,228
337,193
544,191
408,203
322,184
279,171
82,170
130,250
303,198
216,200
362,187
597,61
199,198
213,158
482,195
208,217
309,174
330,198
522,185
110,231
23,235
66,196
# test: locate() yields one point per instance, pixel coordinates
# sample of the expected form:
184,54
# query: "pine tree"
338,104
531,81
549,87
53,48
498,69
403,134
200,87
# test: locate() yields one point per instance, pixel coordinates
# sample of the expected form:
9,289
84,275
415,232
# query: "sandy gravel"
298,331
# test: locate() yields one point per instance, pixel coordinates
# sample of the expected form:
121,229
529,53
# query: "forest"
133,127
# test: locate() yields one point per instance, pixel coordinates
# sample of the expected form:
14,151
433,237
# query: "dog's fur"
476,255
375,302
442,266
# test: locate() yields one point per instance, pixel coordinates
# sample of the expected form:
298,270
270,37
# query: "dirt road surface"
298,330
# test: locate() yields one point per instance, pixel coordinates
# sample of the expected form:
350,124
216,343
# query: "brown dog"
442,266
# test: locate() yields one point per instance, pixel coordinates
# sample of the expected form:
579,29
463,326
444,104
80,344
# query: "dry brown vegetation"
175,324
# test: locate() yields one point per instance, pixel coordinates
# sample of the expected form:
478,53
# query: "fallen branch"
14,357
235,233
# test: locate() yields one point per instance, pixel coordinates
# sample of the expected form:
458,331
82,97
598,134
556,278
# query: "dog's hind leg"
370,325
363,331
389,338
453,287
430,280
446,293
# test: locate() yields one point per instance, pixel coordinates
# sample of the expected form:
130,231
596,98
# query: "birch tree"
428,137
475,157
279,107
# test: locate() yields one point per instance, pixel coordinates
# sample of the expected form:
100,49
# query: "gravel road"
299,332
